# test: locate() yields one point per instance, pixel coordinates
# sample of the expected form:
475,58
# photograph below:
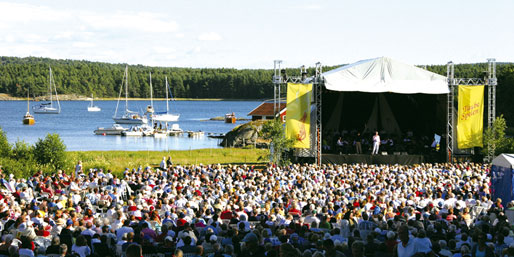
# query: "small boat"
48,108
160,134
93,108
195,133
230,118
133,132
116,129
28,119
129,117
214,135
138,131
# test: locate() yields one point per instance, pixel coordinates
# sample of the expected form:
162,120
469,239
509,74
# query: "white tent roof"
504,160
384,74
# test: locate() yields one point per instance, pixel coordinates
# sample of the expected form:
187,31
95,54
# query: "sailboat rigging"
92,107
129,117
48,108
166,116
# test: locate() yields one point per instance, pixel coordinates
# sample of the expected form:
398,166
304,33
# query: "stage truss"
491,82
280,80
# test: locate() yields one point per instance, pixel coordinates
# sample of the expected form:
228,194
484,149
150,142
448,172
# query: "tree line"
17,75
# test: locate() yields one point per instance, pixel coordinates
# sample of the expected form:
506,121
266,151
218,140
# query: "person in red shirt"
226,214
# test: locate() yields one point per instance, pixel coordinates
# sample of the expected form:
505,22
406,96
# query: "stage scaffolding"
280,80
491,82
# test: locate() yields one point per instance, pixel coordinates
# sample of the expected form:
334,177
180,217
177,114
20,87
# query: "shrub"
51,151
5,147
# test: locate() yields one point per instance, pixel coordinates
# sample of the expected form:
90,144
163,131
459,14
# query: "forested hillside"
104,80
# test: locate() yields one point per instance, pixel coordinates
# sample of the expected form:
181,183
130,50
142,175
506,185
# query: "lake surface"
75,124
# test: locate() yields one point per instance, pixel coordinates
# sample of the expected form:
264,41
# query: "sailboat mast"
151,90
167,102
28,104
50,86
126,89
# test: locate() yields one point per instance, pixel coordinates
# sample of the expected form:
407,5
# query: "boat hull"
93,109
29,121
166,117
132,133
102,131
129,121
160,135
47,110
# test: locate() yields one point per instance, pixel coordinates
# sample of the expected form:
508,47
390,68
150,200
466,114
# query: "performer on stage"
376,143
358,144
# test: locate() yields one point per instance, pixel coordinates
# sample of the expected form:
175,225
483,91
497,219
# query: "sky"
252,34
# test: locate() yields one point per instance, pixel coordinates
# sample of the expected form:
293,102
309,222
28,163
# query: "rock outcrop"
246,135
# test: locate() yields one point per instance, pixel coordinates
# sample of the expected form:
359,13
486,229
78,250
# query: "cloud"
310,7
83,44
141,21
13,13
210,36
163,50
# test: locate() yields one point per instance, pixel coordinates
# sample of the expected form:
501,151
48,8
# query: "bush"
22,151
20,168
5,147
51,151
275,131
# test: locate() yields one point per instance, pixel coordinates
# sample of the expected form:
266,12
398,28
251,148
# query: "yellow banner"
471,117
298,117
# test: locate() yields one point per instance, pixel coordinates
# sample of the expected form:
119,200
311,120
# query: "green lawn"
117,161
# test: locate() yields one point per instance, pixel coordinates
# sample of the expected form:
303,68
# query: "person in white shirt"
376,143
78,169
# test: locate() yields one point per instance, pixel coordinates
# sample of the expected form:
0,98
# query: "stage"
372,159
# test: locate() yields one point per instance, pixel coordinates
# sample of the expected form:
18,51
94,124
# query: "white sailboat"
48,108
165,116
92,107
129,117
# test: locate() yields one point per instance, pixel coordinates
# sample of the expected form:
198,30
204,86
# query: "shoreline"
6,97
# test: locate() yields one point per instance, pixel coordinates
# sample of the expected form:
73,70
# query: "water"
75,125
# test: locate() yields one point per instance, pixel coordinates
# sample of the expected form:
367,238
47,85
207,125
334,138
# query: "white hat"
213,238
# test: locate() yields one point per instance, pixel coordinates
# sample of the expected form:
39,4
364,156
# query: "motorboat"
135,131
49,108
138,131
160,134
28,119
116,129
92,107
230,118
129,117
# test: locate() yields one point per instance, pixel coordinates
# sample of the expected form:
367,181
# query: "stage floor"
372,159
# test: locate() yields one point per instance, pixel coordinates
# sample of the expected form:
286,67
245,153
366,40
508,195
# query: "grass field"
117,161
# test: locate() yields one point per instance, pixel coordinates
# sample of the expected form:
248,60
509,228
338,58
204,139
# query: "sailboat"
48,108
93,108
28,119
149,108
166,116
129,117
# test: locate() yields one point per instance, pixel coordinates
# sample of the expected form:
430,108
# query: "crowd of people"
348,210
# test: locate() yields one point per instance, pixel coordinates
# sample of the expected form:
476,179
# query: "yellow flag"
470,125
298,117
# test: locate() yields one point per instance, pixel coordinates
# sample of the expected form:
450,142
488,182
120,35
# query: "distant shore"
73,97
